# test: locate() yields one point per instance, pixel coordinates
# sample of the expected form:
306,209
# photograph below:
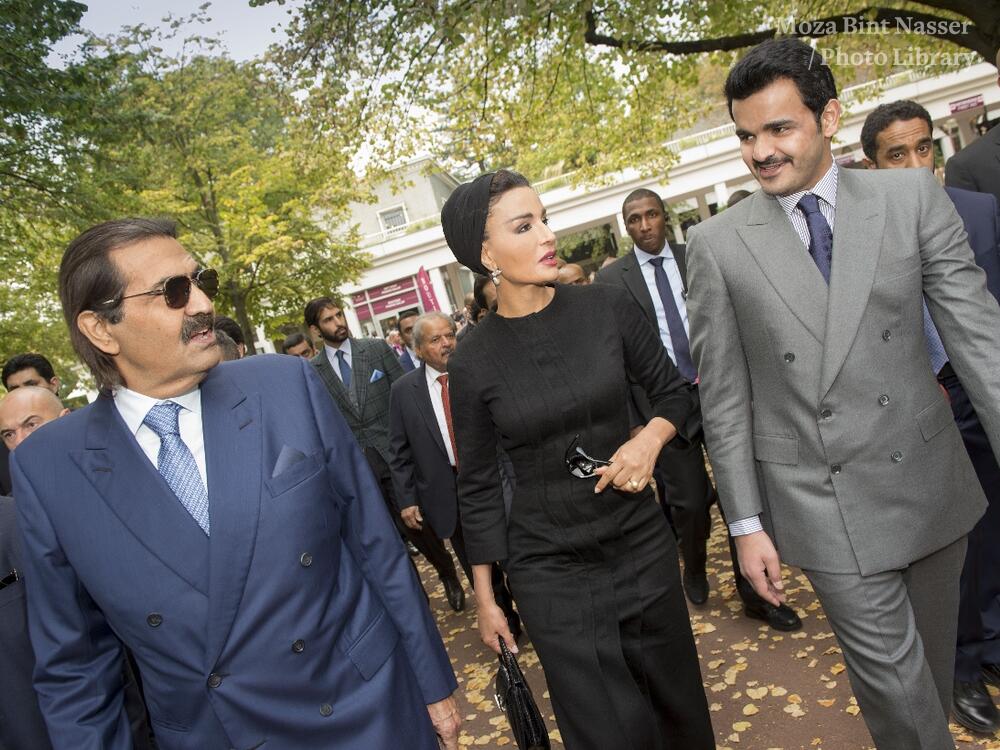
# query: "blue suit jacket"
299,624
981,216
406,361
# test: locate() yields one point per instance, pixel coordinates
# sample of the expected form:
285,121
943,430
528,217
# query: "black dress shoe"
991,674
456,596
973,707
781,618
696,587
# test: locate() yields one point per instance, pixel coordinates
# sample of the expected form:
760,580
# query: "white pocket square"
377,375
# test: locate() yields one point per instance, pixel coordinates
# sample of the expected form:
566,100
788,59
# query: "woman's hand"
493,625
632,465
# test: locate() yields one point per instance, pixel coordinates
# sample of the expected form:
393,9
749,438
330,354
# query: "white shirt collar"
643,257
134,406
331,351
432,374
825,189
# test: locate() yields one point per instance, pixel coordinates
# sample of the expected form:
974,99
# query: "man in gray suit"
359,374
977,166
830,438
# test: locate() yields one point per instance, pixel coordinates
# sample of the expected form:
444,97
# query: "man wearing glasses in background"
227,531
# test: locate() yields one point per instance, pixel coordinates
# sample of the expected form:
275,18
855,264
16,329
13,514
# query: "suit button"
883,400
154,620
789,357
214,680
306,560
896,456
886,334
299,646
835,469
325,710
826,414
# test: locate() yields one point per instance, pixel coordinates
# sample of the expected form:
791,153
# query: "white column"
947,146
619,225
263,344
966,132
721,194
353,324
703,211
437,284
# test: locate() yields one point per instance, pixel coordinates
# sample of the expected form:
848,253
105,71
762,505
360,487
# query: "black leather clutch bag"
514,698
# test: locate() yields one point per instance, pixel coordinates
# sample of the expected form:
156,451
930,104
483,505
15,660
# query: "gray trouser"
897,630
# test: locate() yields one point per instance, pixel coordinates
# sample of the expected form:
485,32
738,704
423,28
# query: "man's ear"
869,164
97,329
829,119
55,383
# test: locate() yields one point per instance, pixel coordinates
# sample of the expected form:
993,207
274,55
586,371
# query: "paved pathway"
767,690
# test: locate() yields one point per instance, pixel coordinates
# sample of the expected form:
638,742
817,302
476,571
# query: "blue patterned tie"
675,325
175,462
820,236
345,369
933,341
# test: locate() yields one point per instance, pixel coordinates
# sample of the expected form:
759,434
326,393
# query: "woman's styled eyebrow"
528,215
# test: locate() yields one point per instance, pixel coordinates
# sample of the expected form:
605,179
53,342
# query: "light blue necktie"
939,358
175,462
675,324
345,369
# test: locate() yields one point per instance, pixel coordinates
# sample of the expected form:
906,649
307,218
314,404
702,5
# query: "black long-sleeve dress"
595,577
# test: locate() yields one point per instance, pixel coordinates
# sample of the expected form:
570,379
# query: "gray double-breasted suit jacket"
821,410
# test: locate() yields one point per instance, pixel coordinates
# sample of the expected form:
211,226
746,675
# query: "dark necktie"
446,401
176,463
345,369
820,235
675,325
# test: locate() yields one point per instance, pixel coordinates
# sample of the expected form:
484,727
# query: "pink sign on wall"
393,287
358,299
364,312
406,299
427,297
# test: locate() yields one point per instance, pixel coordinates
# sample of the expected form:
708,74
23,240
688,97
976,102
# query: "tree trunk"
238,299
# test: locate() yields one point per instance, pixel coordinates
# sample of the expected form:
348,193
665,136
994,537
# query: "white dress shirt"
413,356
826,191
673,272
331,355
438,403
135,406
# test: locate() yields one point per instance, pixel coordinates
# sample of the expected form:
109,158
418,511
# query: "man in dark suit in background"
220,520
358,373
977,166
899,135
655,275
424,454
408,359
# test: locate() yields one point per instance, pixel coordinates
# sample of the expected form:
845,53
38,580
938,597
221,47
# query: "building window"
393,219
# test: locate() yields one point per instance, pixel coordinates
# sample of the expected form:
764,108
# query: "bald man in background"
572,273
22,411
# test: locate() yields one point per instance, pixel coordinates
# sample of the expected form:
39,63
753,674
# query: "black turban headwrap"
463,218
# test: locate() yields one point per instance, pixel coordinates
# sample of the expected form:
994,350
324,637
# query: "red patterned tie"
446,400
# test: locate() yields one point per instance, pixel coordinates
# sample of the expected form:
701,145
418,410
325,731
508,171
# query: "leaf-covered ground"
766,690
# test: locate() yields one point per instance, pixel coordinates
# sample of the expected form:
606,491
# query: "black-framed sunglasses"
579,464
176,290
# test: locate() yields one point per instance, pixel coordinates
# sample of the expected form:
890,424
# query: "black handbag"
514,698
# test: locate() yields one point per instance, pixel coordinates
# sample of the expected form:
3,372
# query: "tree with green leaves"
591,86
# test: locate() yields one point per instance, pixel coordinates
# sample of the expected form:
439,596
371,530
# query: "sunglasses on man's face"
176,290
581,465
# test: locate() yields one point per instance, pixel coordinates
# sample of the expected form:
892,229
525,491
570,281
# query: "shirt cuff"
745,526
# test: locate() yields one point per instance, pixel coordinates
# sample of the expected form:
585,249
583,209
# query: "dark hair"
231,328
89,280
885,115
229,348
503,181
23,361
294,339
315,308
478,283
789,58
737,196
638,195
407,314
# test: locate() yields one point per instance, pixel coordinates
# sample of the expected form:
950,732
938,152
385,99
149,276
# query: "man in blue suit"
222,522
898,134
409,360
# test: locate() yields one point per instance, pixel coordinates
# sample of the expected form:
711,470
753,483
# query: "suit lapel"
233,442
128,482
333,383
857,242
361,371
422,398
778,250
635,282
679,252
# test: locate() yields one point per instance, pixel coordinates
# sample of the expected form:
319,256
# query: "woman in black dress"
591,561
